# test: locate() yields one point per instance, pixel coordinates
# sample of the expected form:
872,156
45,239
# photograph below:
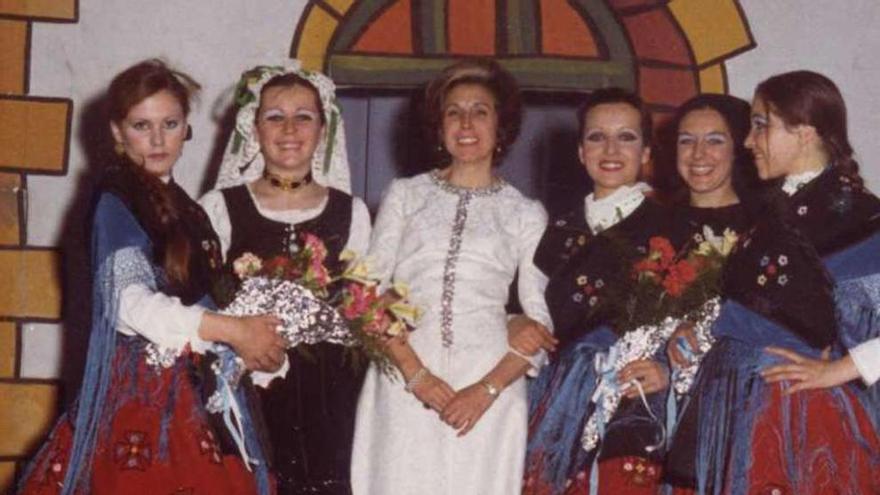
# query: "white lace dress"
458,250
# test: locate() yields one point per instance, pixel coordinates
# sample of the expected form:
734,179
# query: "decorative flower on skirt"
134,451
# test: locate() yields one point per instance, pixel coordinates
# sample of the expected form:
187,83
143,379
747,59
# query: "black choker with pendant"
286,184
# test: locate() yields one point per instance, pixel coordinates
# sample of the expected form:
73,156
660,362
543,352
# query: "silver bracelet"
519,354
417,378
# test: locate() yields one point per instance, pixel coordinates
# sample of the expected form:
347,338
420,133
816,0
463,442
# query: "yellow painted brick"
28,411
33,133
8,339
13,55
7,476
712,79
10,230
62,10
29,283
315,38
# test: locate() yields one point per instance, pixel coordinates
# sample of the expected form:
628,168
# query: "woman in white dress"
285,174
454,422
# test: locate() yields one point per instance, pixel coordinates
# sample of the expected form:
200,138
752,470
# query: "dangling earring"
440,148
189,133
498,149
119,148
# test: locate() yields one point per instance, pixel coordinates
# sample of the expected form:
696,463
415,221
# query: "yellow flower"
728,242
247,265
347,255
357,269
722,244
406,312
401,289
396,328
705,248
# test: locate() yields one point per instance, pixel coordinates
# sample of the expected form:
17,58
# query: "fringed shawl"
121,256
121,252
733,394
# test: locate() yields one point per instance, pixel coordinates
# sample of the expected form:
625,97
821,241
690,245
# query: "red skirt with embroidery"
830,454
128,457
629,475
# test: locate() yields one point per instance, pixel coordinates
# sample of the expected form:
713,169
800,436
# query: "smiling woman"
456,236
588,255
285,176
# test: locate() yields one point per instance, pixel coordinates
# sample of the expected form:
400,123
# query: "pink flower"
358,301
314,244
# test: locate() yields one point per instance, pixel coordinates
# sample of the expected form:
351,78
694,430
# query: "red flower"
662,248
771,270
276,266
681,274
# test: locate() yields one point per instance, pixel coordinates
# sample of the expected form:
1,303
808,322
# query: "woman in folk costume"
455,422
139,425
800,279
715,185
285,174
588,255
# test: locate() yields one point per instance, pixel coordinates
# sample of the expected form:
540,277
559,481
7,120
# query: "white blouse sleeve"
214,205
160,318
359,231
388,231
866,357
532,281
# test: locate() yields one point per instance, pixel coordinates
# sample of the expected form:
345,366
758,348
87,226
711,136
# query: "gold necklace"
286,184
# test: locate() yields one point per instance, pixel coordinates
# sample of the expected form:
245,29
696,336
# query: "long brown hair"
127,89
808,98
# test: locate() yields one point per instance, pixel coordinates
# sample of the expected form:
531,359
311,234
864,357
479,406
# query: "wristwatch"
491,389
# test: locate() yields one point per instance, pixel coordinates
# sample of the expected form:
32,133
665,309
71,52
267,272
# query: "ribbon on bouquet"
305,319
605,364
690,355
229,369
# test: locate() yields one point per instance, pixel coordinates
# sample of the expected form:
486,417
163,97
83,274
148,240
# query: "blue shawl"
733,394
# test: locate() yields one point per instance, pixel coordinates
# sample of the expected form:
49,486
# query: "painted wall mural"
667,50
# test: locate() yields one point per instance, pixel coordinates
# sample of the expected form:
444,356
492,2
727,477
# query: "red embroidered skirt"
128,457
630,475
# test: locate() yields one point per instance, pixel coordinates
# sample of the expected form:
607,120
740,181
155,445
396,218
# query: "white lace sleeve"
359,231
532,281
387,232
214,205
866,357
160,318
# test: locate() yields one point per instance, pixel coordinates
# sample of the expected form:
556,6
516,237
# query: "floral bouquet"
316,305
667,287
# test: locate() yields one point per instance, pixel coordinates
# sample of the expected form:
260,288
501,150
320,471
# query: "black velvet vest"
252,232
310,413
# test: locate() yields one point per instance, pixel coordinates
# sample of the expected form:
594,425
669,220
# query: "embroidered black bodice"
582,266
777,270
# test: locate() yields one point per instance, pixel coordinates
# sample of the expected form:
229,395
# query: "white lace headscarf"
242,160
